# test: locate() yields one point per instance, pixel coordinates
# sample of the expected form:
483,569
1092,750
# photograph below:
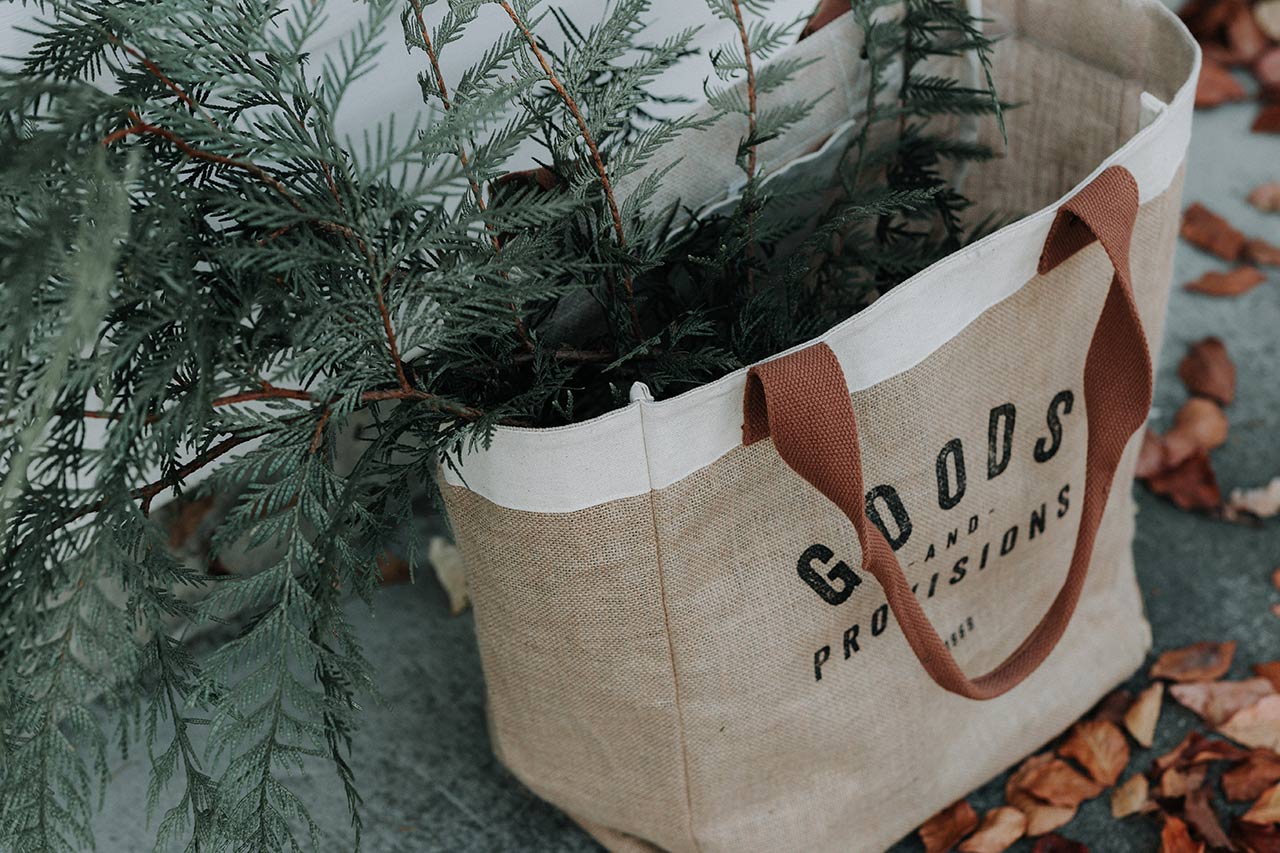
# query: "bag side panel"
577,663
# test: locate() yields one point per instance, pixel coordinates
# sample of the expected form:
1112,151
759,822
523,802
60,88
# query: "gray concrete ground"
423,761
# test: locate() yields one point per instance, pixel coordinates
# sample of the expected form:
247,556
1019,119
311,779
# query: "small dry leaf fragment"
1262,502
1206,230
1270,671
1058,783
1191,485
1257,839
1275,577
1218,701
1178,782
1267,121
1266,198
1042,817
1257,251
1153,457
997,832
1131,797
1176,838
1248,780
1245,39
1114,705
1266,68
1237,282
1202,818
1217,86
1100,748
944,830
1144,713
1058,844
1267,14
1208,371
1266,809
1203,661
1199,425
393,569
1257,726
446,559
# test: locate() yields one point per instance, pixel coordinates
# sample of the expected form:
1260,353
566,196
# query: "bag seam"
671,649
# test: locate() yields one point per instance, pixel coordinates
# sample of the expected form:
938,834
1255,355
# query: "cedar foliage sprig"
196,260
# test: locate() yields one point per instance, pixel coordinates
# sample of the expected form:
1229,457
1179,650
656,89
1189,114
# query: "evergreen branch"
749,66
596,160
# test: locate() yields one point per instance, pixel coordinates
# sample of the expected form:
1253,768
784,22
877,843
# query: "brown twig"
596,159
319,434
163,78
391,340
751,134
447,103
139,126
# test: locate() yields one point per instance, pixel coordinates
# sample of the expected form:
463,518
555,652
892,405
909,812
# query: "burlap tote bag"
808,605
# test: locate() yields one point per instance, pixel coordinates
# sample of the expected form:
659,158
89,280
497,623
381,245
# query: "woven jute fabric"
708,667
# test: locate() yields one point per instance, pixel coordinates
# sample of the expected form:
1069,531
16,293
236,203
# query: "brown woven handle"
802,401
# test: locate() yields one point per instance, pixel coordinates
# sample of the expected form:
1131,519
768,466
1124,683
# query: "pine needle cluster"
194,259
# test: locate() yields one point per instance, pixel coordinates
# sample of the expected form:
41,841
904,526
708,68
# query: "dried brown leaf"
446,559
1142,716
1114,706
393,569
1218,701
1237,282
1176,838
1245,39
1257,726
1199,425
1208,371
1194,749
1058,844
1206,230
1177,782
1250,778
1100,748
1153,458
1266,68
1131,797
1267,14
1191,485
1217,86
1262,502
1271,670
1256,251
944,830
1202,818
1266,809
997,832
1257,839
1058,783
1266,198
1197,662
1042,817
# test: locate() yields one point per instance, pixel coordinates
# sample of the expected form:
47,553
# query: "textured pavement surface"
422,759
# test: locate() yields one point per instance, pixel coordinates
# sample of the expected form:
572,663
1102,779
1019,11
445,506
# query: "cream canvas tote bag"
808,605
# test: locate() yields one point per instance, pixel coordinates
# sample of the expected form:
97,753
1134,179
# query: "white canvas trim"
651,445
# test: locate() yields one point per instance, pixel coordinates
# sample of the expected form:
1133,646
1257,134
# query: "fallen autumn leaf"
944,830
1100,748
1266,809
1203,661
1206,230
1237,282
1218,701
1257,726
1266,198
1262,502
999,829
1144,713
1249,779
1208,371
1191,485
1131,797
